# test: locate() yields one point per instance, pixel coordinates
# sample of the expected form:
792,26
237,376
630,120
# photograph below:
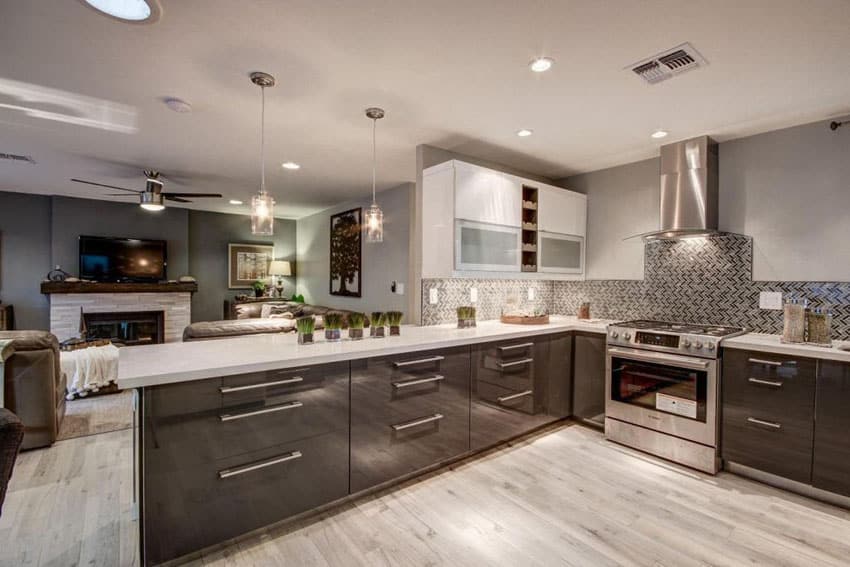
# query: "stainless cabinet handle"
419,361
516,362
227,473
771,383
406,383
231,389
771,424
415,422
521,345
504,399
766,362
272,409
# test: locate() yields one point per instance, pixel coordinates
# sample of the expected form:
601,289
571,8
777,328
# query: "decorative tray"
525,319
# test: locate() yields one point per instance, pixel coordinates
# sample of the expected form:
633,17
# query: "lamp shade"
280,268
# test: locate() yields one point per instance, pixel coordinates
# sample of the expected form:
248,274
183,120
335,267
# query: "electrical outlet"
399,288
531,293
770,300
473,294
432,296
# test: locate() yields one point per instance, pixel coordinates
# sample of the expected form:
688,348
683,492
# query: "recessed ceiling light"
290,165
658,134
524,133
235,202
177,105
541,64
136,11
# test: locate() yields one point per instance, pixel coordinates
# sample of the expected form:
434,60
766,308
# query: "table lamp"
278,269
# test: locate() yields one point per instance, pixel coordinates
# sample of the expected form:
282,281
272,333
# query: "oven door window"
677,391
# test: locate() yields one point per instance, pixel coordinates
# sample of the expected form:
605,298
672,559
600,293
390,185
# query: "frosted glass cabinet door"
484,247
561,253
487,196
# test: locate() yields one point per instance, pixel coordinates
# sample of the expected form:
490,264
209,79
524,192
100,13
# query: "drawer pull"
504,399
516,362
771,383
231,389
417,381
416,422
419,361
771,424
227,473
272,409
766,362
521,345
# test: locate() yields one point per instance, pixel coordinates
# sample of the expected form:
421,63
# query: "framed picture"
346,253
248,263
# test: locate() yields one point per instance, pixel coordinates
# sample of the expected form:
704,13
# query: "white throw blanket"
89,369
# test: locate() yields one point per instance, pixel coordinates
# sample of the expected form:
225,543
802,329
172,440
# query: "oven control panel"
693,345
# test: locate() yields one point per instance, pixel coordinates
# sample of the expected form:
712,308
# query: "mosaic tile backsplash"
699,280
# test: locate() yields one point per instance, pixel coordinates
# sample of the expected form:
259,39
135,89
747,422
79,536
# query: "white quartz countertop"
772,343
151,365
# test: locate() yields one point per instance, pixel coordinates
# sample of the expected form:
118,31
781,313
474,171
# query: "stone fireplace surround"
65,310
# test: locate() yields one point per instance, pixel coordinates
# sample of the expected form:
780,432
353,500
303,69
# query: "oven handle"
678,361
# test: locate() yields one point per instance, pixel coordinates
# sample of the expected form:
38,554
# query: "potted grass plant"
376,328
333,326
356,321
465,317
393,319
305,327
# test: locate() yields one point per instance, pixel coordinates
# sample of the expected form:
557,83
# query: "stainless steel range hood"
688,190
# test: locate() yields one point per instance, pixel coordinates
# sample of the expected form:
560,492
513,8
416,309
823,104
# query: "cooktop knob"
686,343
710,346
627,336
614,334
697,344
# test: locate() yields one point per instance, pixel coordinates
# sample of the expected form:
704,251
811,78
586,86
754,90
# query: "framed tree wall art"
345,256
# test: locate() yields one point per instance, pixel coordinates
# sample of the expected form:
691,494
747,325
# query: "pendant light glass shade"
374,217
262,204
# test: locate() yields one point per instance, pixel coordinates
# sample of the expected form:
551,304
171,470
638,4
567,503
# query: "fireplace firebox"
127,328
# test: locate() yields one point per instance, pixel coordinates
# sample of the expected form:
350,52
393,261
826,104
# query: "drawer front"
197,506
215,426
509,365
274,385
774,386
407,413
781,446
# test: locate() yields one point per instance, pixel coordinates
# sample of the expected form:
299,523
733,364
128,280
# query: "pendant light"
374,215
262,204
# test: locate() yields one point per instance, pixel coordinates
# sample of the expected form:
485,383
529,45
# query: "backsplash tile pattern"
707,281
455,292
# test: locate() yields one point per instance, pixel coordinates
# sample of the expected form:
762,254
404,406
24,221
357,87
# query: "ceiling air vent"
667,64
15,157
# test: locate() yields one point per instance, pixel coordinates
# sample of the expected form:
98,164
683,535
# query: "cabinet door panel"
831,470
589,378
487,196
562,211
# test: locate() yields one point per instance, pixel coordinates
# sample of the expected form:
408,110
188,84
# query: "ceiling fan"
151,198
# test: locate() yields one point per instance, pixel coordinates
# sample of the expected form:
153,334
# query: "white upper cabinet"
484,195
562,211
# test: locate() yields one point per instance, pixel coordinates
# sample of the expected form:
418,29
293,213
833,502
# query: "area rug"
97,414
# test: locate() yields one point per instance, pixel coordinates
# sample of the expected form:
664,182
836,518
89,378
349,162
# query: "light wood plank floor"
563,498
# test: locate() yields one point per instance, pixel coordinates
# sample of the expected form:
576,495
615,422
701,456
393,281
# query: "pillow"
268,307
280,312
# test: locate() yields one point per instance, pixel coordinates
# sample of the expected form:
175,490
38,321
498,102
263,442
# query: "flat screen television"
105,259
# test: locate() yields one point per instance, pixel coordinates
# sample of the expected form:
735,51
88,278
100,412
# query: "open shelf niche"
529,228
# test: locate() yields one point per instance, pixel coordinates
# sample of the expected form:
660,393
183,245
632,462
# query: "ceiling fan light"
152,207
151,201
262,214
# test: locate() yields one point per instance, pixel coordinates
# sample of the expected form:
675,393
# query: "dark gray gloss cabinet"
408,412
589,378
831,464
768,407
224,456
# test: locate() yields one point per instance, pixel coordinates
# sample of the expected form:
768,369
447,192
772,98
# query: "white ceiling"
449,73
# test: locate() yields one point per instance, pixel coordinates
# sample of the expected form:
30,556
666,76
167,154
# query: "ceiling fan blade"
176,199
119,195
170,194
104,185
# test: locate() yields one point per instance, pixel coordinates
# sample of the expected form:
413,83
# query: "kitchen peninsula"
249,431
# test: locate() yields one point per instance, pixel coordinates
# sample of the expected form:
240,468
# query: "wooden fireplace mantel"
95,287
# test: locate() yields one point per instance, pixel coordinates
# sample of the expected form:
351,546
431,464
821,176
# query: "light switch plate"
770,300
473,294
532,293
432,296
399,288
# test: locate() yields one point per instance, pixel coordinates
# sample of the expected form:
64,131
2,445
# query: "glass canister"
584,310
794,321
819,326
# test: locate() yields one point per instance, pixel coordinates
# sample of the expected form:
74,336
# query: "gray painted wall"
621,202
73,217
382,263
25,256
788,189
208,237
